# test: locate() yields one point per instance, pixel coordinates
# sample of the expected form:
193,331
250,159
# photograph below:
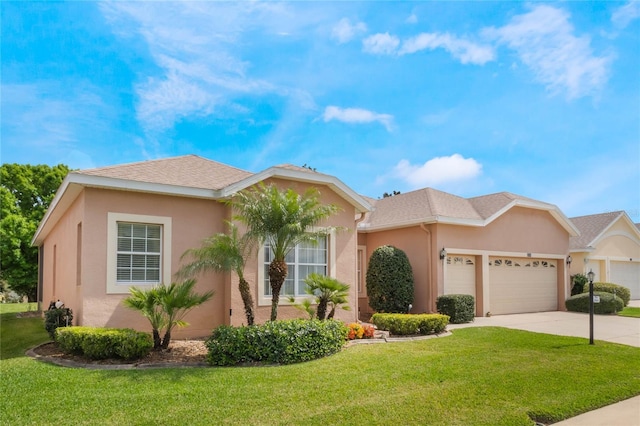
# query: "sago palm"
281,219
329,292
222,252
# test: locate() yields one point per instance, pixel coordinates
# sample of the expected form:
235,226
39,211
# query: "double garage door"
516,285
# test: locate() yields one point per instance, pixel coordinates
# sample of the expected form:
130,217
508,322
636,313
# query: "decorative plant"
389,280
329,293
165,307
359,331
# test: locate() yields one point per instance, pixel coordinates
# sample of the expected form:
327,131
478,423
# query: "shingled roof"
430,205
591,227
189,171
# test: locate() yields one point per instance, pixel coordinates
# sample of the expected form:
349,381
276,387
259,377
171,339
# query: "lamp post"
591,275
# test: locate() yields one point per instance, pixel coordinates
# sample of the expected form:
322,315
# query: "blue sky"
535,98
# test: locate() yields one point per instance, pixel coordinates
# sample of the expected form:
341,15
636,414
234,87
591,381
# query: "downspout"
429,269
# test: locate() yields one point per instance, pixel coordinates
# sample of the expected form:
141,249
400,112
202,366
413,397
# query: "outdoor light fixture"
569,260
591,276
443,253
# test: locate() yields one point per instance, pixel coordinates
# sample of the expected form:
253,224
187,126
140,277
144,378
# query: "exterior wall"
60,263
192,221
343,270
519,232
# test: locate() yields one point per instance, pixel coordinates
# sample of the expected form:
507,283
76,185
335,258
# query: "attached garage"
627,274
460,275
519,285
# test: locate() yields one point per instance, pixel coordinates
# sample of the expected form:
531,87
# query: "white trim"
331,268
113,287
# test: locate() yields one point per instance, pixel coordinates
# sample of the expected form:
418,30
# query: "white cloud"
344,32
544,40
357,116
381,44
624,15
463,50
412,19
439,170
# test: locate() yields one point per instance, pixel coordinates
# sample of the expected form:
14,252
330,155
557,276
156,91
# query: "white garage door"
460,275
627,274
518,285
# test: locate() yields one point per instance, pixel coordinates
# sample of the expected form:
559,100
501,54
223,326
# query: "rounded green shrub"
54,318
622,292
459,307
608,304
389,280
276,342
103,343
578,283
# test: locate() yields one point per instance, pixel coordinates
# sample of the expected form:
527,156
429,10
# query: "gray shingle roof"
591,227
188,170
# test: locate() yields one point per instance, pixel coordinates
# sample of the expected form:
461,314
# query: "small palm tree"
281,219
329,292
222,252
165,307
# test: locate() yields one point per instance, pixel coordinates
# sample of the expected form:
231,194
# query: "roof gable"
594,227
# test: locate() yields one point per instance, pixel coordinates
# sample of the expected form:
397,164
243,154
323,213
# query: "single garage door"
627,274
460,275
519,285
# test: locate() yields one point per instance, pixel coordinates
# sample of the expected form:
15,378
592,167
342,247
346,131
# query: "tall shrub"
389,280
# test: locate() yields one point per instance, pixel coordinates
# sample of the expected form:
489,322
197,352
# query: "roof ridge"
133,163
617,213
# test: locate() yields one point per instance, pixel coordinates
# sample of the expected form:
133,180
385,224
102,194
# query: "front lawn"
630,311
478,376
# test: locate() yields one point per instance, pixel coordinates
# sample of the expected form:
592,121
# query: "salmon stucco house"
508,251
608,245
113,227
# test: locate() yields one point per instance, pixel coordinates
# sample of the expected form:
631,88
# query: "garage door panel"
522,285
460,276
627,274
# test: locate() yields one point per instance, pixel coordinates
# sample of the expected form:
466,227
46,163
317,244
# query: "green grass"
7,308
630,311
478,376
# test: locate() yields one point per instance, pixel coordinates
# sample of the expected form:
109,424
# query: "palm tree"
165,307
328,292
281,219
222,252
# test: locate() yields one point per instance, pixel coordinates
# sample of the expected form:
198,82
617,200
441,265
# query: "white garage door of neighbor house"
460,275
627,274
519,285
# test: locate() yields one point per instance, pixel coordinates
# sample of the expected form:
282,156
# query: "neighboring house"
508,251
608,245
113,227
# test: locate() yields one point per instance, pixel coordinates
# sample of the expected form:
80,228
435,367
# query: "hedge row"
608,304
408,324
622,292
459,307
276,342
102,343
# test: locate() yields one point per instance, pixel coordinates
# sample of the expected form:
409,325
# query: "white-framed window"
138,251
302,260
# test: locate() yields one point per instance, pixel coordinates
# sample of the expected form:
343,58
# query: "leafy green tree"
26,192
282,219
165,307
222,252
389,280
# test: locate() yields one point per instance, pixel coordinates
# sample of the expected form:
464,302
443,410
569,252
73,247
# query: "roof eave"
361,205
538,205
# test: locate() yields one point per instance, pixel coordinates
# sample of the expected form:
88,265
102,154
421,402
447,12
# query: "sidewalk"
623,413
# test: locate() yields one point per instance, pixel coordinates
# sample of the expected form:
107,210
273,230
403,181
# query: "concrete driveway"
610,328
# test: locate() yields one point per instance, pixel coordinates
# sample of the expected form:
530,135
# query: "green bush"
276,342
389,280
578,283
409,324
622,292
54,318
608,304
102,343
459,307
